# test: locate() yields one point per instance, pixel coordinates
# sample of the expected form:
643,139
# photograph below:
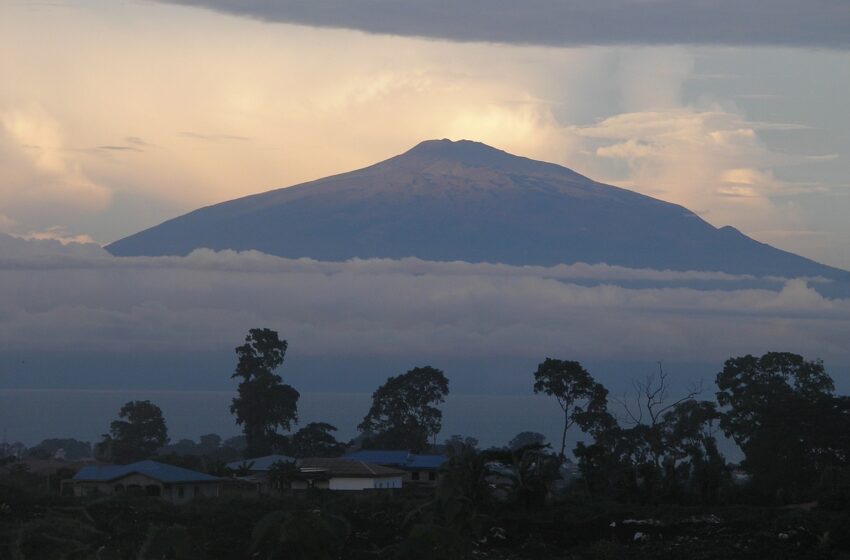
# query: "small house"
253,475
419,469
344,474
145,478
259,464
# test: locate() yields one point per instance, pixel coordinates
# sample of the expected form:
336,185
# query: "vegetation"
403,413
579,396
264,403
68,449
316,440
138,433
651,482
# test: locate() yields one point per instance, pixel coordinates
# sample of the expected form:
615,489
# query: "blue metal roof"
152,469
401,459
260,463
426,462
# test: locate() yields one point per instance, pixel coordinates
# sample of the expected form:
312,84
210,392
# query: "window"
432,476
197,491
414,475
180,492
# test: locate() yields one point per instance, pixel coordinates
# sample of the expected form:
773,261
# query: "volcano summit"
447,201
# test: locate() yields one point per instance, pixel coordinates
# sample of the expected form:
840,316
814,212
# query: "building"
418,469
252,475
259,464
344,474
146,478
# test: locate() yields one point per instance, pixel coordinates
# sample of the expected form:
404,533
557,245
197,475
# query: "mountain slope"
464,200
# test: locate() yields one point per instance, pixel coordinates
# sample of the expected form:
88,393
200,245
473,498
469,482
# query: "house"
253,474
259,464
344,474
418,469
146,478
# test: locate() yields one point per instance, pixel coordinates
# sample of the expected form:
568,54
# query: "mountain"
445,200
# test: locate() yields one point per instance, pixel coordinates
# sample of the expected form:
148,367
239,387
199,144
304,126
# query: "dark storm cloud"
816,23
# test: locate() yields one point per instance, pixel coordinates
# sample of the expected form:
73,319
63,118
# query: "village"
649,481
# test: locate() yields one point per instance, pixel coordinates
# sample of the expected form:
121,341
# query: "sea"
31,415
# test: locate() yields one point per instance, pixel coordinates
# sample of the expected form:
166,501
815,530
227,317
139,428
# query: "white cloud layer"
78,299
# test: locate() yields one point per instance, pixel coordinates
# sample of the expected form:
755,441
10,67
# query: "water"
31,415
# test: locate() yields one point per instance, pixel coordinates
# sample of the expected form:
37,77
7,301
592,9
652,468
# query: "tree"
316,440
65,448
456,442
578,395
524,439
780,409
648,413
264,403
403,415
209,443
138,433
666,449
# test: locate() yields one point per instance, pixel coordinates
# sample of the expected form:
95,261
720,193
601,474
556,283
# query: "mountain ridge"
464,200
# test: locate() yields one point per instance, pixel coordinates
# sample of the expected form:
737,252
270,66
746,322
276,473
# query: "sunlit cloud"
711,161
192,107
41,176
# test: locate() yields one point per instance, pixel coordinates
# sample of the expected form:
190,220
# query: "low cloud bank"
79,300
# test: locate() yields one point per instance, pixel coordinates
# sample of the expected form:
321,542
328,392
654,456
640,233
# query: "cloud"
60,234
119,148
72,301
41,177
315,102
818,23
711,160
213,137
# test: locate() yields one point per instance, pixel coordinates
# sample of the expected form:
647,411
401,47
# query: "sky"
117,115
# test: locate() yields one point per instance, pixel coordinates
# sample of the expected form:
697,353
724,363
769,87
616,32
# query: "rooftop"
260,463
401,459
345,467
157,471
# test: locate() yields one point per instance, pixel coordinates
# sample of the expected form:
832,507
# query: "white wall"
343,483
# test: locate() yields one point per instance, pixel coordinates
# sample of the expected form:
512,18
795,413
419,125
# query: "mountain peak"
466,151
449,200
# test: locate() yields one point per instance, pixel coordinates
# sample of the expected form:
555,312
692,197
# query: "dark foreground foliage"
325,525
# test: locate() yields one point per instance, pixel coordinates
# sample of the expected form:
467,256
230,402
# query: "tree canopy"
780,409
578,395
315,440
403,413
264,404
137,434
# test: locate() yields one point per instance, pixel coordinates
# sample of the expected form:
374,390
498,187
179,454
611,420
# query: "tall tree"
264,403
139,431
403,413
579,396
780,409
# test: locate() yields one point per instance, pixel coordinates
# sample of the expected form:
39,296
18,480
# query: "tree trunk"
564,435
